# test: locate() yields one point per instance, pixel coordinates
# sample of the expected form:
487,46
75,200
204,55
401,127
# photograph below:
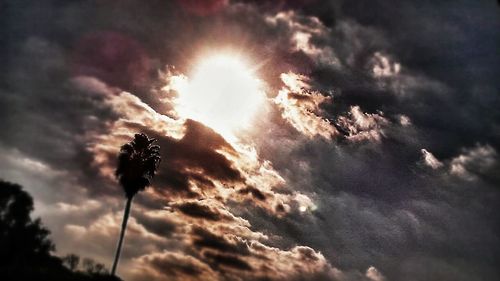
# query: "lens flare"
223,93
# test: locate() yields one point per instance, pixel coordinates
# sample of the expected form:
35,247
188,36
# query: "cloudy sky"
301,140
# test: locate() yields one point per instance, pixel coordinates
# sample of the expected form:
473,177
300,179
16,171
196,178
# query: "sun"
223,93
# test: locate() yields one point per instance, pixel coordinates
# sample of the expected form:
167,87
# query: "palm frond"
138,162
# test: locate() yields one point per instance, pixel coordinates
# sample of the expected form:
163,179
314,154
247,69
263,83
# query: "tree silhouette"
22,240
137,164
71,261
90,266
25,247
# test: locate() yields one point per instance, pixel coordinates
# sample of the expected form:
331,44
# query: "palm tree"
137,164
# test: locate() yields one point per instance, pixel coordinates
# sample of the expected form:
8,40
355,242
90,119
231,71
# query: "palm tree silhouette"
137,164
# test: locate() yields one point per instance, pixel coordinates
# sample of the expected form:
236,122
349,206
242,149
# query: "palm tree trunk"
122,234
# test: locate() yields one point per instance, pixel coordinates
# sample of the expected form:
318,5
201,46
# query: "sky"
300,140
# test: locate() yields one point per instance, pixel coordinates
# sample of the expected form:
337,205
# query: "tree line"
26,249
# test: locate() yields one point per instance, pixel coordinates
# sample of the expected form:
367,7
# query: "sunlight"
223,93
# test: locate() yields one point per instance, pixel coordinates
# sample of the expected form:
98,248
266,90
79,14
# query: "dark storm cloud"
218,260
205,239
254,191
159,226
195,157
438,49
396,79
178,266
453,43
198,210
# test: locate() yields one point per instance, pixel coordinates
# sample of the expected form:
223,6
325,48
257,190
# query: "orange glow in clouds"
222,92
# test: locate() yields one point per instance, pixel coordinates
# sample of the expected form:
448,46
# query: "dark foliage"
22,239
137,164
71,261
25,248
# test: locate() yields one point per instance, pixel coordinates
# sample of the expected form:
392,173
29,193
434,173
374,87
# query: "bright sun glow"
222,93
